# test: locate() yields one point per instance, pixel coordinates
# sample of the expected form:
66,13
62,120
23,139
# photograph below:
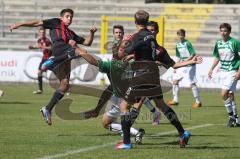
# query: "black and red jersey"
163,57
60,34
45,42
143,45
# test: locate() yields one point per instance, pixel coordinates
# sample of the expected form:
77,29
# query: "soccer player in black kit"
142,46
126,77
64,43
44,44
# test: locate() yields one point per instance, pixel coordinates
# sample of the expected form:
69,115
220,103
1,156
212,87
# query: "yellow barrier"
104,29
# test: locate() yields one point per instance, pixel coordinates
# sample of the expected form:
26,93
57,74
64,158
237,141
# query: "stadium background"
23,133
201,21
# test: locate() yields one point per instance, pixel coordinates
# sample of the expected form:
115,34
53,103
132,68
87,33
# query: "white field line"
72,152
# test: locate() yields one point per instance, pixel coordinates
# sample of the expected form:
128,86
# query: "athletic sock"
115,127
133,114
133,131
234,107
149,105
175,90
196,94
228,105
40,83
54,100
126,124
236,119
172,117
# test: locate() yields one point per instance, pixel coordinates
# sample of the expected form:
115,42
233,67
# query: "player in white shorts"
118,34
227,52
109,120
185,52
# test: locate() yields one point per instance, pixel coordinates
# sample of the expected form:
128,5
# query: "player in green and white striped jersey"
227,52
185,52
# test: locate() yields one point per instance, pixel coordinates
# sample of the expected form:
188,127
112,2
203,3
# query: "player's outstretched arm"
34,23
89,39
89,58
215,63
194,60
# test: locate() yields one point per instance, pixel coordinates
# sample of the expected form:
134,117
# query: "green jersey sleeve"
104,66
215,52
190,48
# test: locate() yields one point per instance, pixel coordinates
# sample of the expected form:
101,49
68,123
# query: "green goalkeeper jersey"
228,54
184,50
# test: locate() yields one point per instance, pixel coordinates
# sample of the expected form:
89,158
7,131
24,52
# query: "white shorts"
189,73
113,108
228,80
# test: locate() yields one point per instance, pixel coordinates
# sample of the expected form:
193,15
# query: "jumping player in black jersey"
126,77
64,43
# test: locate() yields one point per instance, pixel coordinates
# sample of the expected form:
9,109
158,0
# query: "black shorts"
63,70
62,49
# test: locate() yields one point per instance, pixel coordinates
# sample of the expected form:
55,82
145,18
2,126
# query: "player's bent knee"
106,121
224,95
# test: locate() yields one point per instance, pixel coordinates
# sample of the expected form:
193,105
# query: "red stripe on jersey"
63,32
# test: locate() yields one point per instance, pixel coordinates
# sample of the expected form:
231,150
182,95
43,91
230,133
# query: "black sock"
40,83
230,114
106,95
126,125
134,114
55,98
172,117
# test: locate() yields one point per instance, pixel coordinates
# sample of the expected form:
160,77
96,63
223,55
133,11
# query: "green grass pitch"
24,134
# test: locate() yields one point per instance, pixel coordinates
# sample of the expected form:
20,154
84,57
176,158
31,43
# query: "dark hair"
153,24
118,27
66,10
41,28
141,17
226,25
181,32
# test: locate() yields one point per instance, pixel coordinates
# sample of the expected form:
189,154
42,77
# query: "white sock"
228,105
234,107
175,90
149,105
196,94
115,127
133,131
